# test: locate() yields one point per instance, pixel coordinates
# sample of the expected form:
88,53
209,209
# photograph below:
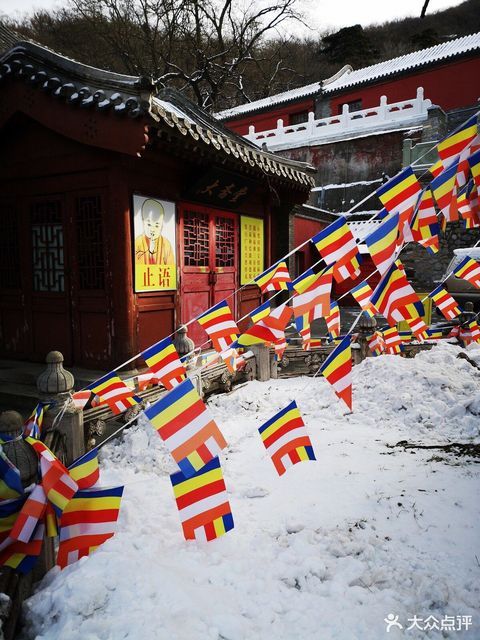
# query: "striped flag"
220,326
82,398
337,370
436,168
474,162
22,556
187,427
10,482
395,298
31,513
362,294
463,172
162,360
418,328
202,503
383,242
268,330
85,471
114,392
470,217
88,521
336,244
444,191
425,227
376,343
302,324
280,345
400,195
275,278
260,312
313,291
33,424
468,270
445,302
434,334
333,321
475,330
450,147
392,340
286,439
59,487
146,380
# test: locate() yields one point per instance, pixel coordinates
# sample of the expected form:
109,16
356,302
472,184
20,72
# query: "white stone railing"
313,131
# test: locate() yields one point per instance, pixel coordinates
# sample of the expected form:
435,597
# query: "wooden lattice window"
47,246
9,248
195,239
224,242
90,249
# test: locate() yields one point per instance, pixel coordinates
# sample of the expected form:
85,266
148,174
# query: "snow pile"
327,551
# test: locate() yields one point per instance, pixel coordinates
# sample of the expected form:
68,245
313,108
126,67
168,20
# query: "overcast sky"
319,13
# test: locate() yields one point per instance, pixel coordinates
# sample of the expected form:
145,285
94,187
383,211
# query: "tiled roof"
439,52
77,85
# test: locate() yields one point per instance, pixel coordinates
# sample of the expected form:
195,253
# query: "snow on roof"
278,98
420,58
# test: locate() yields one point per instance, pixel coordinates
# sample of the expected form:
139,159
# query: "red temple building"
124,211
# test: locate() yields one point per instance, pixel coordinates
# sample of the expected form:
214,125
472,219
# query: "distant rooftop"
348,77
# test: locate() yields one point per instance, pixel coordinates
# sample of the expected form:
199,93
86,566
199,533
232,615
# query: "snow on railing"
317,131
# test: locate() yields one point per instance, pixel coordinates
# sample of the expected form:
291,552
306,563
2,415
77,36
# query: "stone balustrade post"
54,387
262,361
366,327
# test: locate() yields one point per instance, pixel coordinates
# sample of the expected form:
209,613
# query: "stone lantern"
366,328
184,345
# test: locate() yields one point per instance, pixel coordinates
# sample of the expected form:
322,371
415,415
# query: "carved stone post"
366,327
262,361
185,345
65,434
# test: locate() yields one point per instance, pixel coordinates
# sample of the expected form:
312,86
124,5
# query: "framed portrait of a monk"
154,245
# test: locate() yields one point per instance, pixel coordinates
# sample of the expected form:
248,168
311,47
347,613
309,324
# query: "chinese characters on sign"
446,623
154,244
220,188
251,248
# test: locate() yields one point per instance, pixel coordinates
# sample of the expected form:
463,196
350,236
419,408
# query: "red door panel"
208,253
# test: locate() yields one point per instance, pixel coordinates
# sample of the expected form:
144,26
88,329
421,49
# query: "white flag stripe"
202,506
86,529
299,432
189,430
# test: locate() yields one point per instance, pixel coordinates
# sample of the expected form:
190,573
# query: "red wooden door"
209,261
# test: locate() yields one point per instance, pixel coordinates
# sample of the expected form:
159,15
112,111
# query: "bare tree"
204,46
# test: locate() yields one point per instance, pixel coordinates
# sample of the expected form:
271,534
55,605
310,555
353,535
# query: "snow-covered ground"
326,551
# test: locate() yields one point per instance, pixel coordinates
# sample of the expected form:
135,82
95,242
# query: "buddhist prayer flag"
463,172
85,471
82,398
314,291
470,217
31,513
376,343
187,427
336,244
302,324
434,334
260,312
269,330
362,294
220,326
392,340
400,195
10,482
333,320
33,425
382,243
418,328
445,302
474,162
279,346
146,380
443,189
88,521
113,391
395,298
162,360
337,370
450,148
468,270
425,227
475,330
59,487
436,168
202,503
286,439
276,278
22,556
